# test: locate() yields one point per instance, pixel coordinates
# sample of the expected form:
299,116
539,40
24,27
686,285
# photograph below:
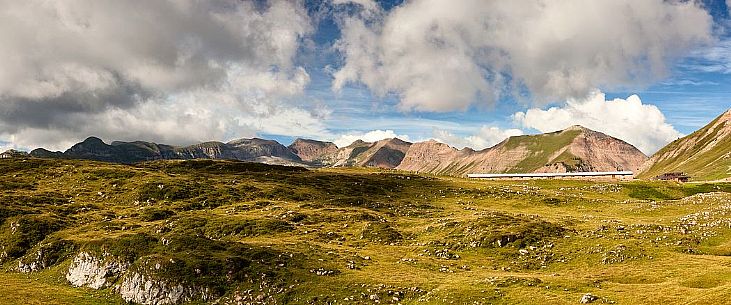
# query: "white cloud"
639,124
486,136
168,71
4,146
371,136
439,55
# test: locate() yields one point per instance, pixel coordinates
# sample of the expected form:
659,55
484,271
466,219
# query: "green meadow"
252,233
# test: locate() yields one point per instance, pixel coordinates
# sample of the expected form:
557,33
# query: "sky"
467,73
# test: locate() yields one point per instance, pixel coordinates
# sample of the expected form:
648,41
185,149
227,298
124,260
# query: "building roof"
549,175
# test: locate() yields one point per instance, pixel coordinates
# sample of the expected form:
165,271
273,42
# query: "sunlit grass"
405,238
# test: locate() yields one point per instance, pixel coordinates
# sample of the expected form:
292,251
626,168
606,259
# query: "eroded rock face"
387,153
95,272
312,150
143,289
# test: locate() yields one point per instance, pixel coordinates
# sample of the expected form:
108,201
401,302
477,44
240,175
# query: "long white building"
619,175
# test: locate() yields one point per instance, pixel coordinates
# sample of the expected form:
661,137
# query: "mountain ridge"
575,148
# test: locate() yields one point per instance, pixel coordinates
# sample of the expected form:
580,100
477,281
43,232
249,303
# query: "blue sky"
688,96
467,73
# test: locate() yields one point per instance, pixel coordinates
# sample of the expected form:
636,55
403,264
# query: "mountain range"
574,149
704,154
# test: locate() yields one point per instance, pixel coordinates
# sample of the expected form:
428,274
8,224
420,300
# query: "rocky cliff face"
574,149
387,153
313,151
347,156
596,151
254,148
431,157
95,272
704,155
145,289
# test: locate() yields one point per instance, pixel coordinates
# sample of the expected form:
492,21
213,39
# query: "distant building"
620,175
674,176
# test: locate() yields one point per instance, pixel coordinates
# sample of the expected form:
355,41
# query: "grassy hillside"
541,148
246,233
704,154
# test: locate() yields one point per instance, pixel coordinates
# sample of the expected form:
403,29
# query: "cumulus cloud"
444,55
171,70
485,137
639,124
371,136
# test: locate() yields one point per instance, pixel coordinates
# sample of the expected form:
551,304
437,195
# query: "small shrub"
154,214
169,191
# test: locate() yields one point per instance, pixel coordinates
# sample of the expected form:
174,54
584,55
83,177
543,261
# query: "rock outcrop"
144,289
95,272
44,255
703,155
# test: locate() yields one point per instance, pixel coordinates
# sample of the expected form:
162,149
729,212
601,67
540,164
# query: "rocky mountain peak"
577,128
358,142
726,116
93,141
312,150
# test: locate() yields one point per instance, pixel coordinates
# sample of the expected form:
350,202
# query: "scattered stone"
588,298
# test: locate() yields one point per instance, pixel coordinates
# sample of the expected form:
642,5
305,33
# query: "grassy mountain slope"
234,232
542,150
704,155
573,149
